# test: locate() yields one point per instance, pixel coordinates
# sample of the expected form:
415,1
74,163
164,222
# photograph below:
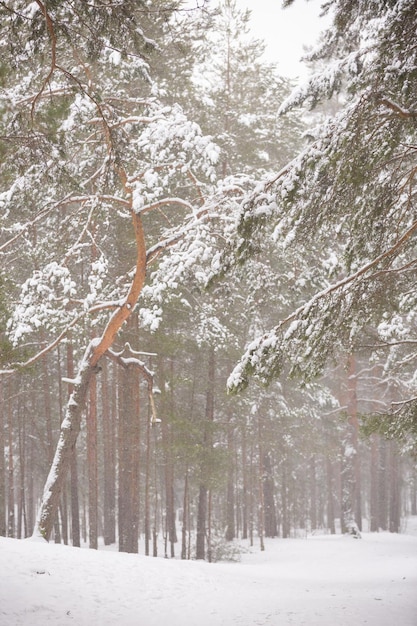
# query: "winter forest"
207,276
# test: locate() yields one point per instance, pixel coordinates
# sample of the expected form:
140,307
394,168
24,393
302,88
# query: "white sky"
286,30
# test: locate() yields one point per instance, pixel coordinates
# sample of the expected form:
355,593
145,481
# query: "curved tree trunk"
71,424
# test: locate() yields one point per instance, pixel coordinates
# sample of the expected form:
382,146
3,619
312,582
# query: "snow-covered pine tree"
352,191
89,148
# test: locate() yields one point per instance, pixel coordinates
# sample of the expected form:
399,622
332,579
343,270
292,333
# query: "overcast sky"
285,30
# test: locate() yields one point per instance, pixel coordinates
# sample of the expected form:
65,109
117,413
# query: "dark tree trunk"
92,466
10,482
75,505
2,461
270,514
22,530
261,503
313,493
286,528
185,515
351,473
230,495
330,497
373,503
167,410
109,462
200,551
395,489
245,485
382,486
128,461
205,467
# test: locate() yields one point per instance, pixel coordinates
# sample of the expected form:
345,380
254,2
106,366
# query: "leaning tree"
89,154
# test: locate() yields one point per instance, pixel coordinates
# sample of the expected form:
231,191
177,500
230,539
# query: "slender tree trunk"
128,428
205,467
261,506
75,505
374,484
286,528
330,497
167,409
109,462
2,461
22,530
230,495
245,484
92,467
185,515
10,482
270,514
382,486
148,473
313,493
351,473
201,522
395,490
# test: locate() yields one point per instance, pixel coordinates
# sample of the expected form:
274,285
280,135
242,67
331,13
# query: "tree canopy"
350,195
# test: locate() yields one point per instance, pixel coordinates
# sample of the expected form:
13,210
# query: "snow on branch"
305,320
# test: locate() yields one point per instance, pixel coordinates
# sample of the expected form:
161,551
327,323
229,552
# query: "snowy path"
323,581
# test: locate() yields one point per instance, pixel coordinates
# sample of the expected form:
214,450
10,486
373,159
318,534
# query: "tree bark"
351,472
92,466
109,478
205,468
2,462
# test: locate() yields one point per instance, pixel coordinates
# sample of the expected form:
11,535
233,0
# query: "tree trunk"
351,474
22,530
270,514
10,482
109,462
148,473
395,490
330,497
75,505
261,505
200,551
185,510
245,485
70,427
373,504
205,466
382,486
313,493
128,436
2,462
167,409
286,528
230,495
92,466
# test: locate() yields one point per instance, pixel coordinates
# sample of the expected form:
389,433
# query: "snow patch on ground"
320,580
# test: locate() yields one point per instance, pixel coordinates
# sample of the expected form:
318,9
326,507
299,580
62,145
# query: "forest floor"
318,580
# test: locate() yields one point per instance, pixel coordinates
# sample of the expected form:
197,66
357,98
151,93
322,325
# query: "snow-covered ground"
320,580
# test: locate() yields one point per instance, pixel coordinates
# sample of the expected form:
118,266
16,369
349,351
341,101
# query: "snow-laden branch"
254,353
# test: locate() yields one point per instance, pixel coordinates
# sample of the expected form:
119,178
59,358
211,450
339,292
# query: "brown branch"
404,113
121,315
147,374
